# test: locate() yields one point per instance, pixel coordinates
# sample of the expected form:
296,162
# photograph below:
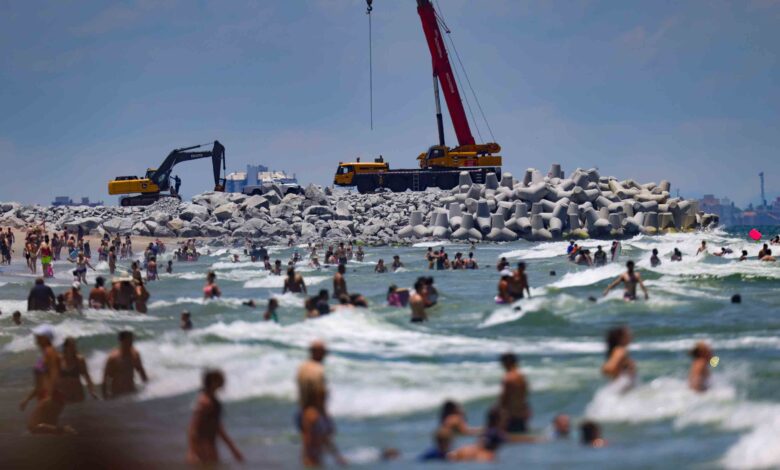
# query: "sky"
684,91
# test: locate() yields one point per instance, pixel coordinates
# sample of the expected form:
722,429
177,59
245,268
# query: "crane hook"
368,10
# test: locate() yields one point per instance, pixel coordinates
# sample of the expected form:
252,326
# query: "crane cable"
370,67
468,81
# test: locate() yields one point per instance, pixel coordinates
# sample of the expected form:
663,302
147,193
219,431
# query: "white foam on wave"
363,332
68,327
278,281
223,301
8,306
431,244
670,398
588,276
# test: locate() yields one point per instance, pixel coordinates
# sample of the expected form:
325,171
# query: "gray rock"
191,212
225,211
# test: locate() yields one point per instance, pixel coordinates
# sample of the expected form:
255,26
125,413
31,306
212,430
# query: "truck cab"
345,173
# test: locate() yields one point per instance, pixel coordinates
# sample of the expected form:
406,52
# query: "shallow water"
388,377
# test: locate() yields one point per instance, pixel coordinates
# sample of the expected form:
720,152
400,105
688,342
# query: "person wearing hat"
73,298
45,417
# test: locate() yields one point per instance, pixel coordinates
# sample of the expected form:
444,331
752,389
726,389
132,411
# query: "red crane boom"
443,71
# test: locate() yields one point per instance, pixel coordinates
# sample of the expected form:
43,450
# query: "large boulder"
191,212
119,225
163,232
141,229
86,223
225,211
316,194
282,211
318,210
255,202
176,224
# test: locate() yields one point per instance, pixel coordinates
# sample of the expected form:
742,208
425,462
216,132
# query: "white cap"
507,272
44,330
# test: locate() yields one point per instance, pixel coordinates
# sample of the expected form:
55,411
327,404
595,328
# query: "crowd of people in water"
61,377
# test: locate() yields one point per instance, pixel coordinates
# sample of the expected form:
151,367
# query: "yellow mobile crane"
440,165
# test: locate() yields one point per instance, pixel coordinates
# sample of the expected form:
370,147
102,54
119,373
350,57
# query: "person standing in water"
206,424
314,422
417,302
45,417
599,257
339,283
121,366
72,369
514,395
655,261
619,363
630,279
702,248
699,375
98,297
211,290
676,255
518,284
270,313
294,282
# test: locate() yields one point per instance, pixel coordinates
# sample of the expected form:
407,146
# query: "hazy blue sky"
644,89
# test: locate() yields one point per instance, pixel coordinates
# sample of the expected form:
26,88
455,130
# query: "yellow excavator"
157,180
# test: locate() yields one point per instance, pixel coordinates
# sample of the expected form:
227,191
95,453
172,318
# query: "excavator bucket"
217,161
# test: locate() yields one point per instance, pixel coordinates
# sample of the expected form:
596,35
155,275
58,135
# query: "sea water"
388,377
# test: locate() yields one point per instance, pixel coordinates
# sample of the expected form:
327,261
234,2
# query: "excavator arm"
162,175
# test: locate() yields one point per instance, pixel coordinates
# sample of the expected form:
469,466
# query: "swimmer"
397,297
591,435
206,425
744,256
357,300
699,375
655,261
514,395
502,264
560,427
776,240
630,279
572,255
73,367
723,251
519,282
270,313
762,251
397,264
599,257
169,267
313,419
98,297
211,290
339,283
618,362
121,366
73,298
676,255
417,302
321,303
615,250
490,441
768,256
294,283
504,297
16,318
702,248
583,258
470,262
82,263
141,296
431,294
185,322
570,248
380,266
360,254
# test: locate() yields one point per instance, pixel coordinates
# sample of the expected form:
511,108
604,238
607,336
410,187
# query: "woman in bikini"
211,290
619,364
72,368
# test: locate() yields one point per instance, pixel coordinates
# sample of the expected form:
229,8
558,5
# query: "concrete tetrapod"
482,216
441,228
651,223
507,180
519,222
455,215
538,232
498,232
467,230
491,181
464,178
415,228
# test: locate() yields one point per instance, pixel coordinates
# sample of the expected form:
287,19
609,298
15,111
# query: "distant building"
66,201
727,212
730,214
254,175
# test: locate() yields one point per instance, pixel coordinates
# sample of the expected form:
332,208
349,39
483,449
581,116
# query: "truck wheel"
125,202
398,184
364,186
